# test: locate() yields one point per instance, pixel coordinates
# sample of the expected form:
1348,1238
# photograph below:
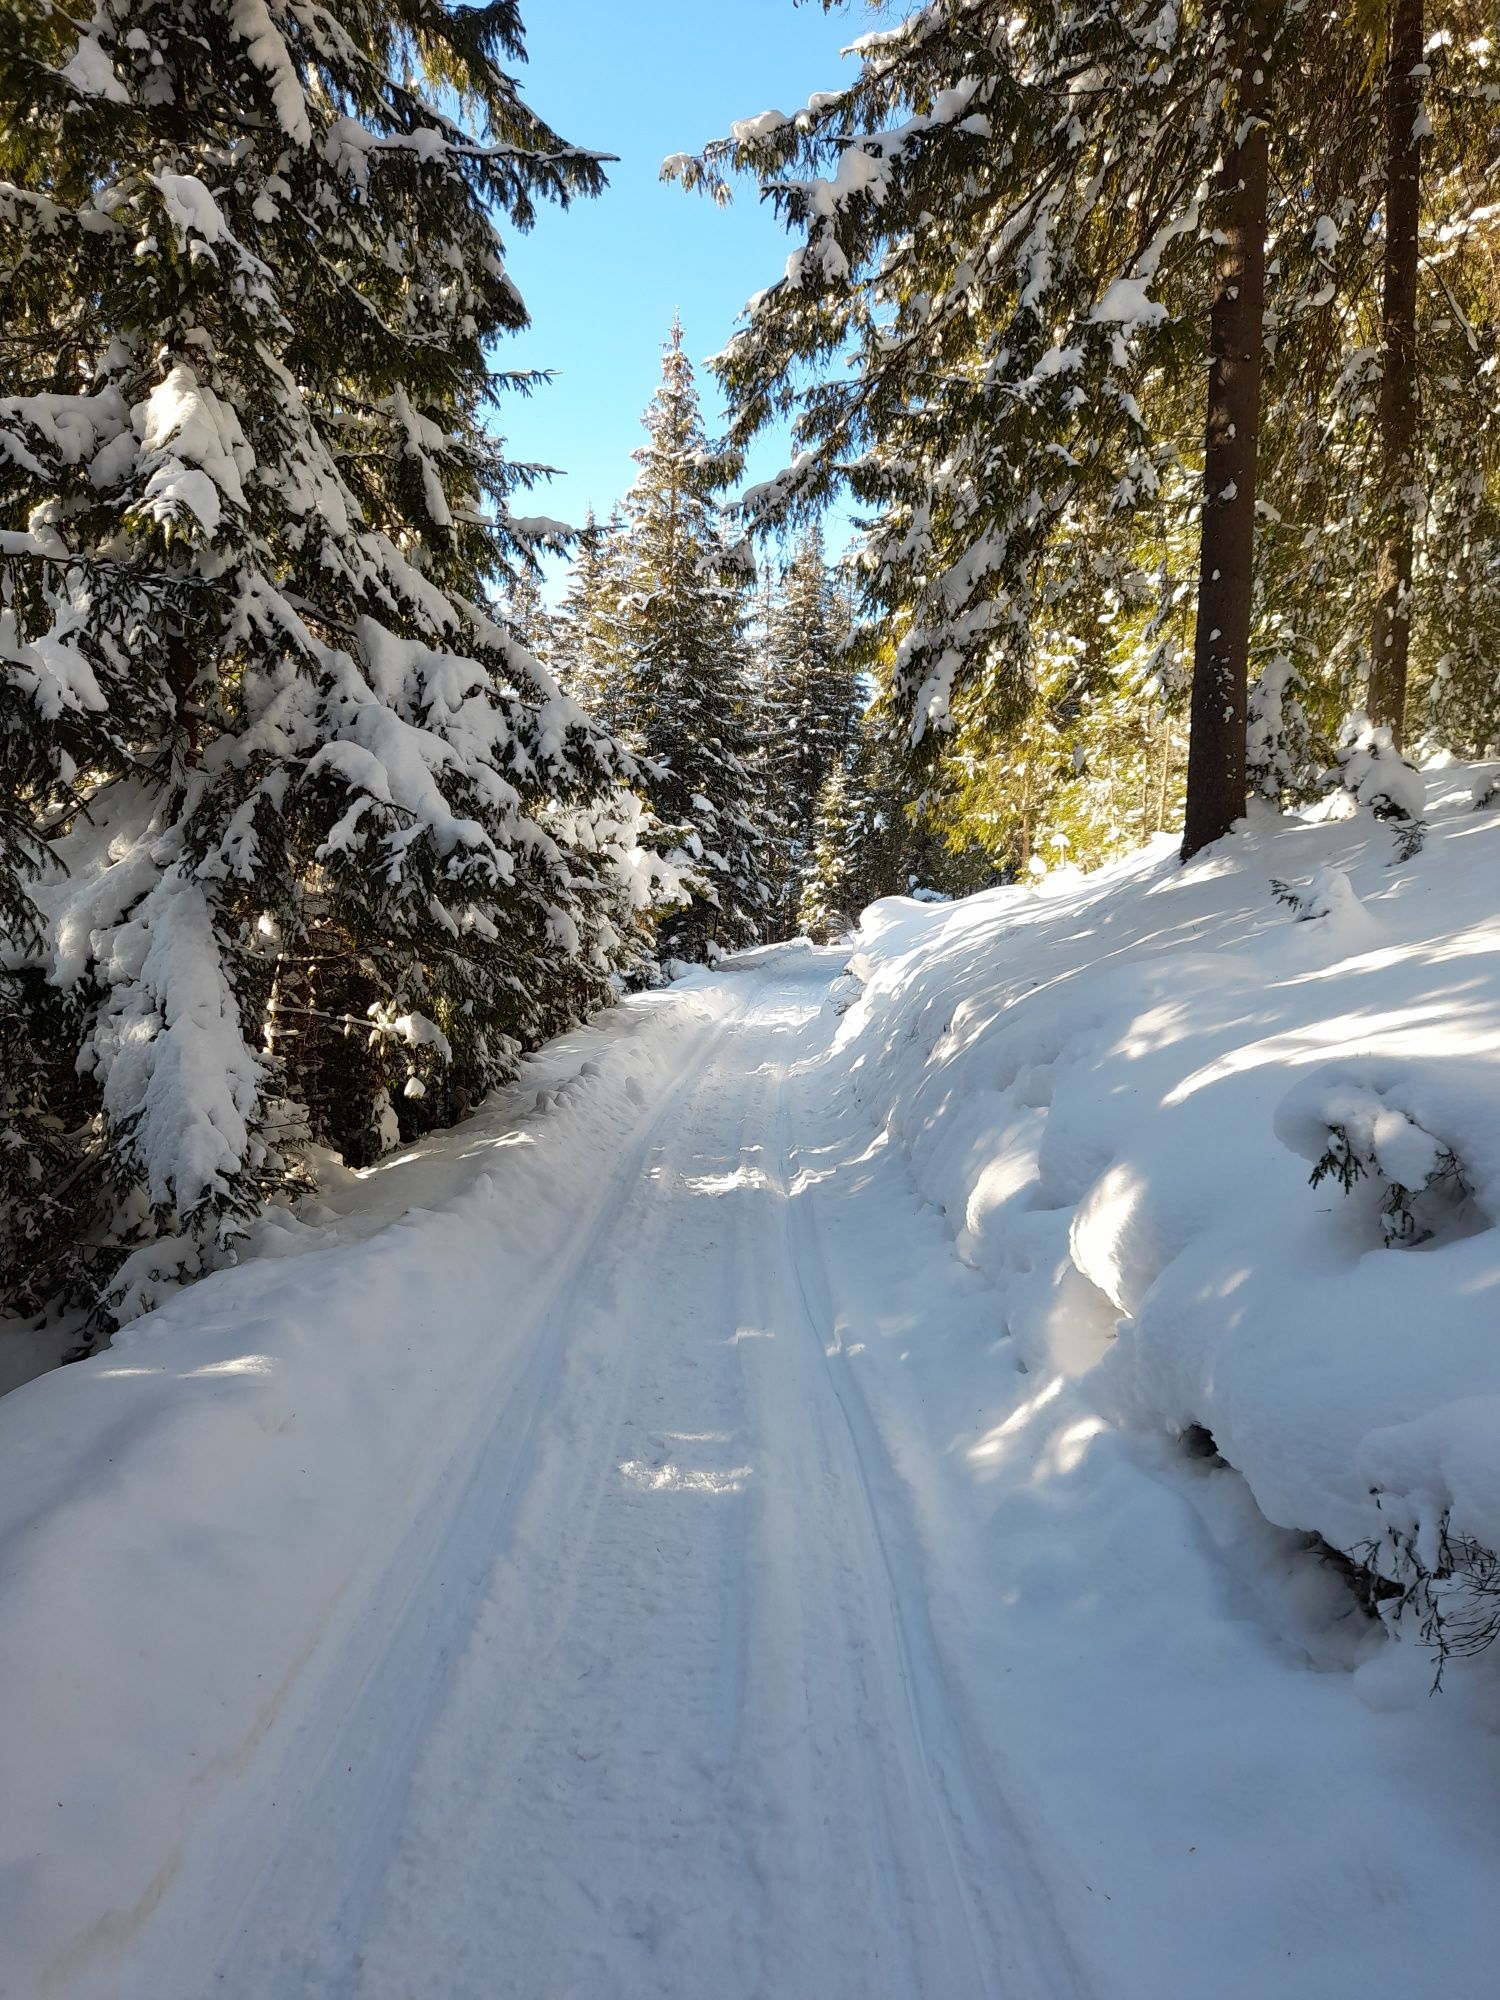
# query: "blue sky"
644,78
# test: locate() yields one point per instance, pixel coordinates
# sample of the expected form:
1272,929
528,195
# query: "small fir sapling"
1410,1214
1327,894
1281,749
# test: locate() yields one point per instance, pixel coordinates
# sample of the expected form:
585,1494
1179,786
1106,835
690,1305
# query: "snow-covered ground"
717,1522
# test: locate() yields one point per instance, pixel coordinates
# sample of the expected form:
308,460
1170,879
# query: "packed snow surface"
718,1522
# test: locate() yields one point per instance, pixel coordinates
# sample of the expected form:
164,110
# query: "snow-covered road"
622,1548
650,1697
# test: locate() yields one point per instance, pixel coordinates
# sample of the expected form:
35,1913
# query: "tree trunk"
1221,643
1390,638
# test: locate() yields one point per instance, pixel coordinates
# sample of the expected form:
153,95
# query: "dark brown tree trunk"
1221,643
1390,639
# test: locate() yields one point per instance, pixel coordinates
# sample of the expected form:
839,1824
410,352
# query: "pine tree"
862,844
874,835
1032,279
588,631
811,711
530,619
831,889
681,693
1023,271
296,835
1333,515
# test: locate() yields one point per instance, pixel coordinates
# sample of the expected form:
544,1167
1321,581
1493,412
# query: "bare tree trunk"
1390,639
1221,643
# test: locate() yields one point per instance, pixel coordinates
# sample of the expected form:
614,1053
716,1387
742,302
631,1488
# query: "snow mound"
1117,1091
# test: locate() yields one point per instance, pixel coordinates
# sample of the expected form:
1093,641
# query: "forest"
1155,345
773,1213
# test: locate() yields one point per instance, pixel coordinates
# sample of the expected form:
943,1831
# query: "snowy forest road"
653,1696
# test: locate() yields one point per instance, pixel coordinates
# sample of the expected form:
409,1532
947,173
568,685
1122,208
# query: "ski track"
650,1699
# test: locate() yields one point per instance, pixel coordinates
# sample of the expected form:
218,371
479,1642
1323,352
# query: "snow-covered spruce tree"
587,630
861,840
682,693
830,892
1009,219
312,842
810,716
530,619
1027,271
873,836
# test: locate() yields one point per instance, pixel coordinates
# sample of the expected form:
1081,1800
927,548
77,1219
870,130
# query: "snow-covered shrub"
1329,894
1369,767
1280,746
1356,1122
1427,1575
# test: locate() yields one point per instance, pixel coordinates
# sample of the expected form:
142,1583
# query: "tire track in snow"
591,1845
618,1719
838,1888
986,1875
282,1859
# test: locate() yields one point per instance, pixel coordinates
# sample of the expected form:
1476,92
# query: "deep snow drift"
720,1521
1115,1089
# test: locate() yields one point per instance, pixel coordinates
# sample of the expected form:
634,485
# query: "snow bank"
1115,1089
1110,1094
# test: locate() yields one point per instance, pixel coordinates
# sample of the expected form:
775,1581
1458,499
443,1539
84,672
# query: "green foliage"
991,331
295,830
655,640
810,710
871,838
